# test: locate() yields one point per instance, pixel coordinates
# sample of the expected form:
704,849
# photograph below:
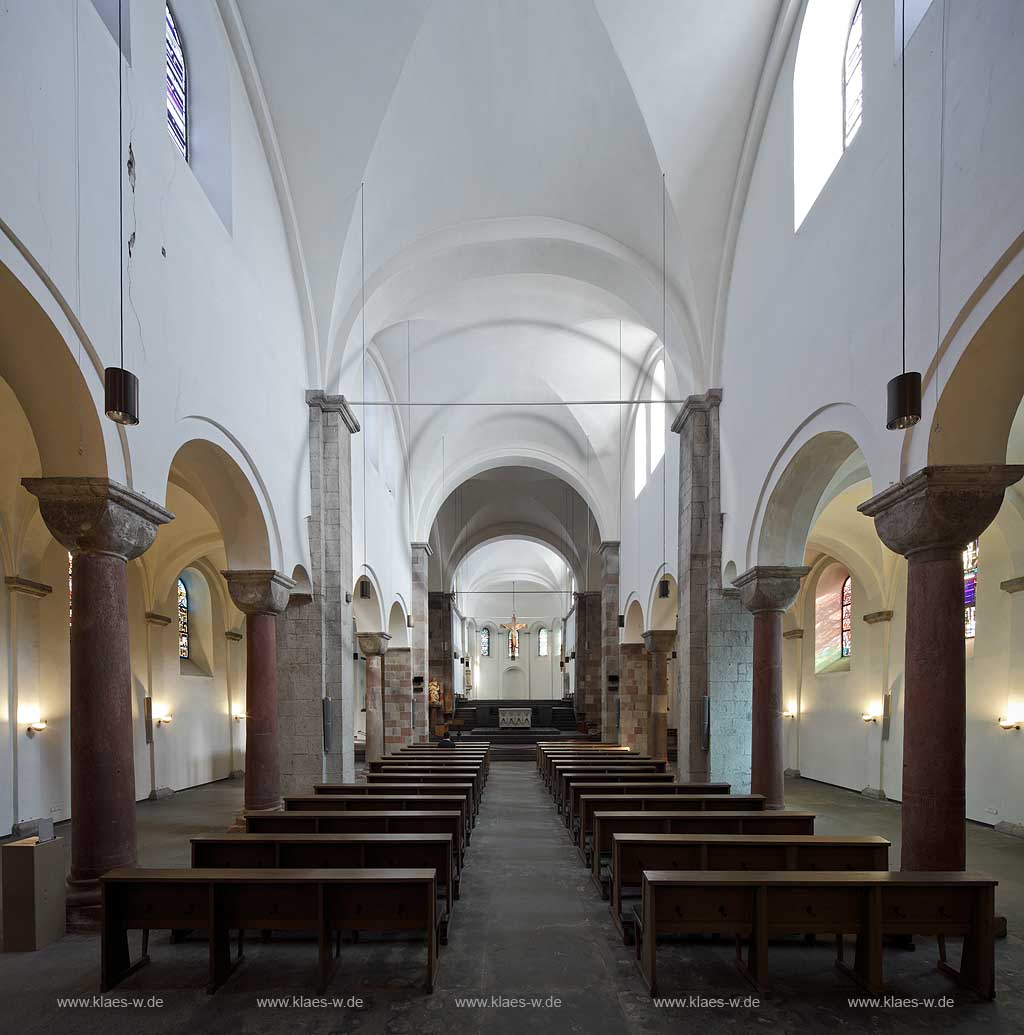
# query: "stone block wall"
731,645
609,639
588,656
398,717
419,637
634,697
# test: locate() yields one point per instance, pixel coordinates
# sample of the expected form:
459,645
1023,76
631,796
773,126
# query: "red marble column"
767,592
929,518
373,647
261,595
659,644
103,525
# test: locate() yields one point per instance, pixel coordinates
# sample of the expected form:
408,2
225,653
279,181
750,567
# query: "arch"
634,628
366,603
37,362
981,398
213,477
663,611
303,584
398,629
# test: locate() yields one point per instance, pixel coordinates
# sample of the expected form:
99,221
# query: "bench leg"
115,956
325,958
221,964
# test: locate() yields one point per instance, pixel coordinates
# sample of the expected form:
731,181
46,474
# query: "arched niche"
663,610
634,628
366,605
398,628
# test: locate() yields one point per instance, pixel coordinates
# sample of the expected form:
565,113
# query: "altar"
514,718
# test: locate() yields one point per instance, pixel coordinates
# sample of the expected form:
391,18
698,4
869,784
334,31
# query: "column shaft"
767,759
374,709
102,750
262,751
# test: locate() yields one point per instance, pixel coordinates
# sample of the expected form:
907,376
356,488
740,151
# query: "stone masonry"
421,553
441,664
609,641
588,656
634,701
314,635
730,650
398,701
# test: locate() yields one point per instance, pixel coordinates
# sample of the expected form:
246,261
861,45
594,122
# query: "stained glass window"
177,86
71,586
542,643
846,616
970,589
513,645
182,620
853,78
485,642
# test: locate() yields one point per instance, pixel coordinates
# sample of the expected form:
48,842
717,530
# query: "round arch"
367,608
663,610
398,628
634,628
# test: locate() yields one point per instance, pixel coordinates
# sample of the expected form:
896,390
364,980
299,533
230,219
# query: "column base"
236,774
874,792
159,793
791,772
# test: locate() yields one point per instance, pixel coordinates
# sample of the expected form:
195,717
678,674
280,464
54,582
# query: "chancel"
511,510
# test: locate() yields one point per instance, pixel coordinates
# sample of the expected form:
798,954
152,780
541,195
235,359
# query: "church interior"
511,515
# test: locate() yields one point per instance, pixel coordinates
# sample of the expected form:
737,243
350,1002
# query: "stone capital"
710,400
425,547
373,644
793,634
660,641
258,591
876,617
16,584
940,508
317,398
97,515
1012,585
155,618
769,587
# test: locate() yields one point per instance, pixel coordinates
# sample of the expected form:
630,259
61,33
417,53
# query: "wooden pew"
335,851
598,766
637,786
634,853
469,774
385,821
656,800
377,802
581,762
219,901
435,777
607,774
758,906
405,787
544,746
677,821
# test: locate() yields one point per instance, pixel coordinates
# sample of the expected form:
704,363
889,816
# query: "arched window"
542,643
658,414
177,86
513,645
71,586
640,451
182,620
853,77
846,617
970,589
485,642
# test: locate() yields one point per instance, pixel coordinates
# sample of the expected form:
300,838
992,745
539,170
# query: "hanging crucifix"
513,628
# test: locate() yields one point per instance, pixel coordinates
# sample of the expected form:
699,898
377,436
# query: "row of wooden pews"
386,855
675,858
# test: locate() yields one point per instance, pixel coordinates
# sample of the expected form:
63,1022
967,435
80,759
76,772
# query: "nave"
529,923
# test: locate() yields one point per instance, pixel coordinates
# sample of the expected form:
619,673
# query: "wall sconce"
622,621
874,712
1004,724
410,622
238,716
162,717
40,724
790,711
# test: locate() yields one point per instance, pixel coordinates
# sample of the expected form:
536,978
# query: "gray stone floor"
529,924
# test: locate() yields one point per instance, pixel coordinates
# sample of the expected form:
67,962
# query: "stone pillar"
730,644
767,591
261,595
373,647
659,644
398,699
700,576
929,518
421,554
441,660
104,525
634,699
314,634
588,656
609,641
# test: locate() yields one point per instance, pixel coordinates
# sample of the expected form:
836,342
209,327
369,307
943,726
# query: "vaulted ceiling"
512,154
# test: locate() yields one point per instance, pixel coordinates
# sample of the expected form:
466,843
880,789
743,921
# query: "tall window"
640,451
513,645
177,86
658,414
485,642
542,643
970,589
182,620
853,78
846,617
71,586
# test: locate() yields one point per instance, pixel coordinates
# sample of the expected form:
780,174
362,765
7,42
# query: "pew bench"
633,853
639,786
474,774
657,800
566,776
219,901
590,758
758,906
336,851
416,788
606,824
425,775
388,821
378,802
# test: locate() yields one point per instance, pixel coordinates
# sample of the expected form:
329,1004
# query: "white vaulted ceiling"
512,153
